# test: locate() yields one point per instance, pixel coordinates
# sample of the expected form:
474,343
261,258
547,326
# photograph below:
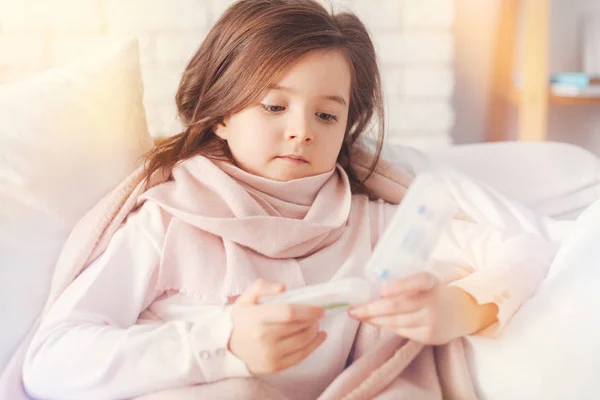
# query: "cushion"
67,137
555,179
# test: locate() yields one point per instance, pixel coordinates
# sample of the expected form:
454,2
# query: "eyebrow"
337,99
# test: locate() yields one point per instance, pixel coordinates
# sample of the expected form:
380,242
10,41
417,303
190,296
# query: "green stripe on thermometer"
336,305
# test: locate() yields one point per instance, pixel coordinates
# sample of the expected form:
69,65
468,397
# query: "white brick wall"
413,37
73,16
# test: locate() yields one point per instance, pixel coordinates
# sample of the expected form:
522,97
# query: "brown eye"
327,117
272,109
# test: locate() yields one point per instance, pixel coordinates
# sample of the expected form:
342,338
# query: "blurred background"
455,71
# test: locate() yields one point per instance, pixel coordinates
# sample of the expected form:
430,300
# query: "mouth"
293,158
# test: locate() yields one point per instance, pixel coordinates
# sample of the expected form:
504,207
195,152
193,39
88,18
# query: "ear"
221,128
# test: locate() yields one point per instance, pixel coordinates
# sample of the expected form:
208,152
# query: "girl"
262,198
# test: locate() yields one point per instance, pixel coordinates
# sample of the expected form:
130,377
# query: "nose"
300,130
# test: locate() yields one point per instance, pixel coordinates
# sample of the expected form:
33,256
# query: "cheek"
334,144
250,137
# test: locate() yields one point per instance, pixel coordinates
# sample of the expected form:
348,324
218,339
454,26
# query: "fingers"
416,326
422,334
410,320
299,355
282,331
421,282
279,313
298,340
389,306
258,289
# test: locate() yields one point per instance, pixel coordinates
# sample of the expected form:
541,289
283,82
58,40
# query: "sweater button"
220,352
205,355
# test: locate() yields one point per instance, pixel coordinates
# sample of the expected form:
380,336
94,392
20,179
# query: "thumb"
258,289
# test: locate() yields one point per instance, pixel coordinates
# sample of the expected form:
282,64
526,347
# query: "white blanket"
551,348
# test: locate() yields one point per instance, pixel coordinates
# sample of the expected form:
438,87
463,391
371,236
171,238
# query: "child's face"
303,115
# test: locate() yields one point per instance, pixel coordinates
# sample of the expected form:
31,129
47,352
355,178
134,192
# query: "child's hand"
421,308
273,337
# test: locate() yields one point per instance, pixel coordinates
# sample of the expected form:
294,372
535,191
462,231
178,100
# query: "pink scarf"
228,207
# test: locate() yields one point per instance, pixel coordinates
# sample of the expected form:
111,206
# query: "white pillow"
551,347
67,136
555,179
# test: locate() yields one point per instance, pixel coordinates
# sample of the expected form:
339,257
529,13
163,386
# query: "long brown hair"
249,47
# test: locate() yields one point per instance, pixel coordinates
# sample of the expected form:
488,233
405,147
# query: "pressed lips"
294,158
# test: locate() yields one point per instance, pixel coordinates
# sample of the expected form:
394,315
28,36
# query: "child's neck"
301,192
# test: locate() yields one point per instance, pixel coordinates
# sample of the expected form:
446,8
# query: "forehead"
324,72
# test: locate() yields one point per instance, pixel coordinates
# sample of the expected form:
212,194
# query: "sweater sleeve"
504,268
492,265
90,344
